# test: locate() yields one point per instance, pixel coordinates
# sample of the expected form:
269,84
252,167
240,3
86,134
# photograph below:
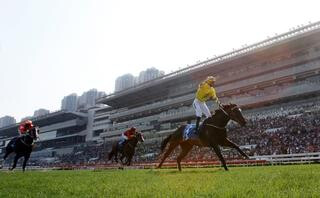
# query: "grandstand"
280,69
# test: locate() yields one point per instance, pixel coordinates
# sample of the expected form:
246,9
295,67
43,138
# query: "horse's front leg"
228,143
129,159
218,152
26,158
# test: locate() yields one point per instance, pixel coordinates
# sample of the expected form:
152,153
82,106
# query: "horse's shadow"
175,172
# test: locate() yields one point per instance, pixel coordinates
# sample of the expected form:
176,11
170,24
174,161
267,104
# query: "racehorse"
22,146
212,133
127,150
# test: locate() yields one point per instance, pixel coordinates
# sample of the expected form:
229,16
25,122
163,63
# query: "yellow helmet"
210,79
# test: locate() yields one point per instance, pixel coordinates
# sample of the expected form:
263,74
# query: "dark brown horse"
128,149
212,133
22,146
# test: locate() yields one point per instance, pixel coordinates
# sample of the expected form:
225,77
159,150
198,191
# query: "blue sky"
52,48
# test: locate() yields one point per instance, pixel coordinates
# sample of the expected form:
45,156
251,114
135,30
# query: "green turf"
270,181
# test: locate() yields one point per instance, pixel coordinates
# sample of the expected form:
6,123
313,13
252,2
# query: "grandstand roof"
56,117
158,89
52,118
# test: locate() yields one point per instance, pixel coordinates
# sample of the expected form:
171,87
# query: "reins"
215,126
23,142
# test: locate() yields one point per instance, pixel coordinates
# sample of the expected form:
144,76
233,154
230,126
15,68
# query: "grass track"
270,181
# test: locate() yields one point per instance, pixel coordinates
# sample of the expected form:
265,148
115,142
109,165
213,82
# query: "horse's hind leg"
8,151
15,161
185,150
218,152
172,146
228,143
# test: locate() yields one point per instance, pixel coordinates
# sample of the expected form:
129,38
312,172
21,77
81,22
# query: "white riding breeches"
201,108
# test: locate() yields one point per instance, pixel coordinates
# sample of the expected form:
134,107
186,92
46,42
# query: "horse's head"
34,133
139,137
234,113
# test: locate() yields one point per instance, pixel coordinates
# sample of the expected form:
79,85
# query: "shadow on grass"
184,171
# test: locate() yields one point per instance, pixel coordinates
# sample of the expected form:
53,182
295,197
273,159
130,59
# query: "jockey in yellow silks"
205,92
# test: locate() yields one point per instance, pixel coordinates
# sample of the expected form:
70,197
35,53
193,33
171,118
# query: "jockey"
25,127
205,92
127,135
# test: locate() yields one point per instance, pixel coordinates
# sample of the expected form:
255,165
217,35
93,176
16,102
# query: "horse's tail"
165,142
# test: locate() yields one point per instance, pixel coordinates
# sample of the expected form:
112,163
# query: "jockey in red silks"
25,127
127,135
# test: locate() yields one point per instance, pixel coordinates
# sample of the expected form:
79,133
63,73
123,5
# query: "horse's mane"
226,106
216,113
135,136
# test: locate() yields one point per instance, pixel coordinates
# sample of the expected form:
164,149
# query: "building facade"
7,120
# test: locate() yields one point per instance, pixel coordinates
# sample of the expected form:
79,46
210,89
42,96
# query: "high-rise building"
88,99
40,112
124,82
149,74
6,121
69,102
101,94
26,118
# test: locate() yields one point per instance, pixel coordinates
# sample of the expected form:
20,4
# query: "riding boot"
197,124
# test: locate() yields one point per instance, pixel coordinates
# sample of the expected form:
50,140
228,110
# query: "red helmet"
133,129
28,124
22,129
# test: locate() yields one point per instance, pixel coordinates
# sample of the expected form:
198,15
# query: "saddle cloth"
190,132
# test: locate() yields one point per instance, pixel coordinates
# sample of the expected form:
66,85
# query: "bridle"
227,114
129,143
23,142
